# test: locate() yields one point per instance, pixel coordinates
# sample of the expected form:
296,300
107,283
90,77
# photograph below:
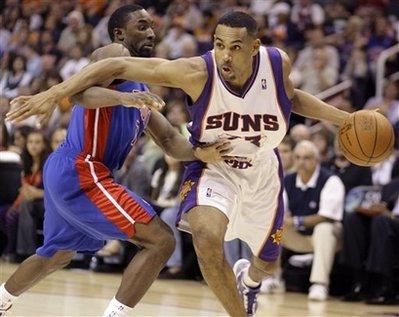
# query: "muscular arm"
307,105
174,144
168,138
98,97
188,74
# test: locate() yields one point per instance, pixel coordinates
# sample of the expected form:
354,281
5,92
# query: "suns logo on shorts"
277,236
185,189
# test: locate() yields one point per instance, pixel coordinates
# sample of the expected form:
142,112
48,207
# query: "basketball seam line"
357,139
375,138
389,145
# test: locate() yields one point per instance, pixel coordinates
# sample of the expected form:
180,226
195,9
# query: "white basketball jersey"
255,120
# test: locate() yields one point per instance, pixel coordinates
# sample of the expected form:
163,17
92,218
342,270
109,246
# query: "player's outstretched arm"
307,105
174,144
188,74
99,97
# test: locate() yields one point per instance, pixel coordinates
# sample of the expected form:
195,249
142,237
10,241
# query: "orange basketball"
366,138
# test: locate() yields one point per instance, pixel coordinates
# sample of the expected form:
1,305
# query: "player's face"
234,49
139,36
35,144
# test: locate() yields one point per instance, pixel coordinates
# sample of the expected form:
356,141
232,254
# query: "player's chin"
146,51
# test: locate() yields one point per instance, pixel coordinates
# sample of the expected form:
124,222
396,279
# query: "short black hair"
120,17
239,19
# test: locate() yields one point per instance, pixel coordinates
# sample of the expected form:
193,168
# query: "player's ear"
119,34
256,46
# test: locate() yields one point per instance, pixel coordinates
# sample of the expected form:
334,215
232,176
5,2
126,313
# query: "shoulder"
286,61
111,50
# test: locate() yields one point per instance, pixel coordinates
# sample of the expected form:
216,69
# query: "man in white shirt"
314,200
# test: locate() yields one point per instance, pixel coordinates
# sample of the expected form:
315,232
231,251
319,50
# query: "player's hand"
139,99
23,107
213,153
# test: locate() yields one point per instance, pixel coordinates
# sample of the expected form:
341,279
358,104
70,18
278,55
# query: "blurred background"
346,52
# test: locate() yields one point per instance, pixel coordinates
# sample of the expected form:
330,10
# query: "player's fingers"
226,151
224,146
227,157
16,113
221,144
154,100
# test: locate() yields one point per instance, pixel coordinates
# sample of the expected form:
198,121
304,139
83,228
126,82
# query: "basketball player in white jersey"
239,91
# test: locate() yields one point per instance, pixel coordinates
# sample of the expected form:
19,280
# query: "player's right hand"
141,99
213,153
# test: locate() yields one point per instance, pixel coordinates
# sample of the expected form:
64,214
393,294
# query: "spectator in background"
388,104
319,75
69,36
369,240
20,135
75,63
165,185
300,132
306,13
381,38
320,139
315,39
57,138
15,78
34,62
286,150
314,205
33,158
176,43
350,174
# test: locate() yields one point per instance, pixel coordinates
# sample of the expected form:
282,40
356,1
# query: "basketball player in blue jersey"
239,91
83,204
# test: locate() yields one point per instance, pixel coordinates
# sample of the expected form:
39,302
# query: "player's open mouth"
149,45
226,69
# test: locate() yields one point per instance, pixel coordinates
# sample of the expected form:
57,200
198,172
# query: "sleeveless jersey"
107,134
254,120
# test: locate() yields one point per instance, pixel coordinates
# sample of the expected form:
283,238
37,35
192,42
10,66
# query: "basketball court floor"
83,293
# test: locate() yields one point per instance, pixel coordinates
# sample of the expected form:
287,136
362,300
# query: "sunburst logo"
277,236
185,189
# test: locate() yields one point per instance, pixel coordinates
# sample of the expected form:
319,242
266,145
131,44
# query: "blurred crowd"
45,42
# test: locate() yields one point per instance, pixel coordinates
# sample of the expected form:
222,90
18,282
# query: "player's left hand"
213,153
141,99
23,107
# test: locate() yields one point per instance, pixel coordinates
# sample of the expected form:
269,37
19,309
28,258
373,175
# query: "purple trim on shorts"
271,250
248,84
277,66
197,110
192,173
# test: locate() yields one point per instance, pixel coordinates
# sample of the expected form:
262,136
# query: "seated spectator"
300,132
321,140
305,13
57,138
20,135
164,195
371,234
15,78
388,104
74,64
350,174
31,192
314,204
286,150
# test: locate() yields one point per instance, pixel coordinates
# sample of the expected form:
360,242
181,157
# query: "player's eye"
219,45
236,47
143,27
